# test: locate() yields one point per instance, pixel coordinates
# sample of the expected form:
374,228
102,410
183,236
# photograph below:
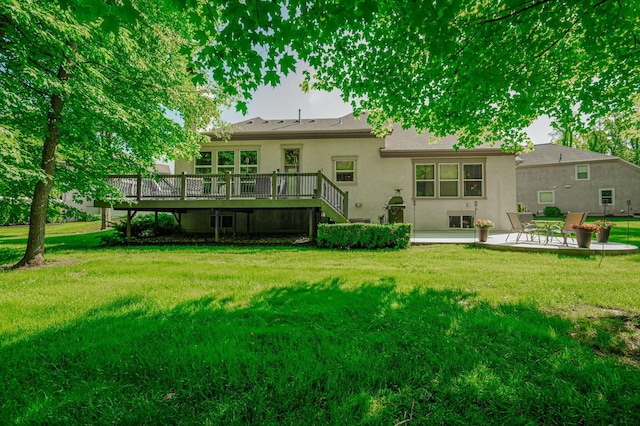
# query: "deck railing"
273,186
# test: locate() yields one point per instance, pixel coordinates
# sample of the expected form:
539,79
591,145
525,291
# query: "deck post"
129,217
274,185
227,180
217,225
183,186
311,222
139,188
106,217
346,205
319,190
155,223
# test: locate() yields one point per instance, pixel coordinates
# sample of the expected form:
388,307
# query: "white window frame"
457,180
613,196
481,180
588,172
553,197
238,166
434,180
335,161
461,219
197,168
293,167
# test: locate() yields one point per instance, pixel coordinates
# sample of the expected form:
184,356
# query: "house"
287,175
576,180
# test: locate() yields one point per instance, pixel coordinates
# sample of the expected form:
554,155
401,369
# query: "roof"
546,154
310,128
163,169
408,142
399,142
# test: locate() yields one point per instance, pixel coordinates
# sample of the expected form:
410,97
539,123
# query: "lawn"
447,334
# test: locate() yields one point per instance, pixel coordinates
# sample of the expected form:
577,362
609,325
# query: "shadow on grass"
12,249
315,354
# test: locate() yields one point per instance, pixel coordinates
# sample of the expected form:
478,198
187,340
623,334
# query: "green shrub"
552,211
364,235
521,208
143,226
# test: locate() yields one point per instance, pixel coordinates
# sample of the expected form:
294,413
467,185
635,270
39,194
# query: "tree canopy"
87,83
617,133
483,70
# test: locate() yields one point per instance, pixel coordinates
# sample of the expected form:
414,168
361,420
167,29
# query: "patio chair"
195,187
530,230
567,228
282,187
526,218
150,188
263,186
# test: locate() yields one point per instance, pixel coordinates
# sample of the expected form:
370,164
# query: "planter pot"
583,237
602,234
483,234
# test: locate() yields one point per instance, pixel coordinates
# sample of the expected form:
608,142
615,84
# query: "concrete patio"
498,241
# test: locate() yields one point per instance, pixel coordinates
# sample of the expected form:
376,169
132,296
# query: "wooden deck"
233,192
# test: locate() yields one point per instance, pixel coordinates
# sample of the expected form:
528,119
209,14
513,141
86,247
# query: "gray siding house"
576,180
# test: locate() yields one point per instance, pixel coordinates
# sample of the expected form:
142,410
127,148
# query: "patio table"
547,225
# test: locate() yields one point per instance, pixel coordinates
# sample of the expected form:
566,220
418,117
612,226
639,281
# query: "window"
546,197
607,196
345,170
472,180
226,162
460,221
292,160
448,180
443,180
582,172
425,180
204,163
249,163
240,161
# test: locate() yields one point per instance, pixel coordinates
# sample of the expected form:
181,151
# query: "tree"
86,87
617,133
483,70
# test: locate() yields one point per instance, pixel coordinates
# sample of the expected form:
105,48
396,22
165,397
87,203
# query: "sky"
285,100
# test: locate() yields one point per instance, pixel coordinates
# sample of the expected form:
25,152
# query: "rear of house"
441,188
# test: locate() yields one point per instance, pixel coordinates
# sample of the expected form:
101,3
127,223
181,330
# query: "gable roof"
409,143
310,128
398,143
547,154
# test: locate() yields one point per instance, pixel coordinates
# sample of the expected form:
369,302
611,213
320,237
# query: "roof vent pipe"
299,115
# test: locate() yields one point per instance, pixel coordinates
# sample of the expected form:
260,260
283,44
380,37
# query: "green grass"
294,335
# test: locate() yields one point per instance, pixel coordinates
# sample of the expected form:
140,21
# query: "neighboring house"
577,181
286,175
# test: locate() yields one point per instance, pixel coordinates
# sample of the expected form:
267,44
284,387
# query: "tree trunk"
34,253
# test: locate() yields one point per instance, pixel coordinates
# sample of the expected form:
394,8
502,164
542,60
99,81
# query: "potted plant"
603,228
483,225
584,234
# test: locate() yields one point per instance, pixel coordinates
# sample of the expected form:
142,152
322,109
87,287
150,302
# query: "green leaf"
272,78
287,64
241,107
